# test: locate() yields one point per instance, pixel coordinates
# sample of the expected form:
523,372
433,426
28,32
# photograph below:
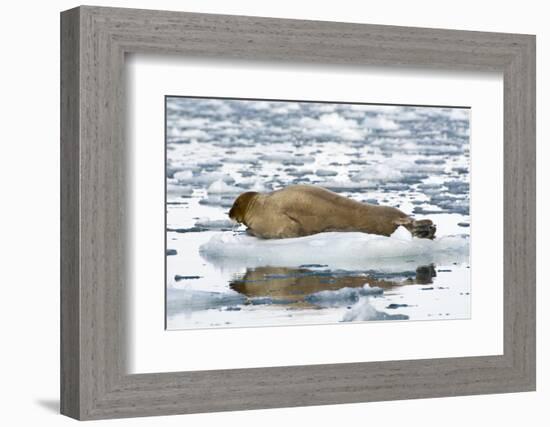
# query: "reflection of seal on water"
293,284
302,210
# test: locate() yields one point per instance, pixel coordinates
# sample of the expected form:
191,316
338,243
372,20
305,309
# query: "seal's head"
241,206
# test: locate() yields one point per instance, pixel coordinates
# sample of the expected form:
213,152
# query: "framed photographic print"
262,213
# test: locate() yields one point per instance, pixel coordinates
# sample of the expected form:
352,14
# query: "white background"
29,242
154,350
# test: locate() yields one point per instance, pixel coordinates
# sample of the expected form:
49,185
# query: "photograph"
295,212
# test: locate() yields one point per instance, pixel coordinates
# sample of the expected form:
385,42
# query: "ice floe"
459,114
215,224
333,125
204,179
188,134
298,172
220,187
190,300
242,158
186,122
179,190
337,250
363,310
378,172
341,296
379,122
254,185
225,201
287,159
183,176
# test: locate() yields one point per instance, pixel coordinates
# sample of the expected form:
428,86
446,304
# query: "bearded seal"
302,210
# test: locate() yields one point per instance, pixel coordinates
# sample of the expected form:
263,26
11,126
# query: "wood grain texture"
70,258
94,267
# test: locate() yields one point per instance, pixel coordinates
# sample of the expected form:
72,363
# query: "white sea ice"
326,108
459,114
378,172
363,310
188,133
280,110
342,296
190,122
332,125
241,158
191,300
185,175
399,133
373,108
379,122
214,224
209,164
405,116
218,107
287,158
224,201
220,187
259,105
254,185
204,179
349,250
179,190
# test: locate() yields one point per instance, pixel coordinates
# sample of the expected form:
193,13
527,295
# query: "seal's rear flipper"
425,274
422,228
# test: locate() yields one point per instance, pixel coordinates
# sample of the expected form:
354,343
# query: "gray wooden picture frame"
94,41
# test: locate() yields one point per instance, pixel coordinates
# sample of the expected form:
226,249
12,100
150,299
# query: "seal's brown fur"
302,210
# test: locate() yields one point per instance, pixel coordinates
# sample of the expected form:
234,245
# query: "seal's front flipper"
292,227
250,232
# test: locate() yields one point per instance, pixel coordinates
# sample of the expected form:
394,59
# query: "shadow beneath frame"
51,405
